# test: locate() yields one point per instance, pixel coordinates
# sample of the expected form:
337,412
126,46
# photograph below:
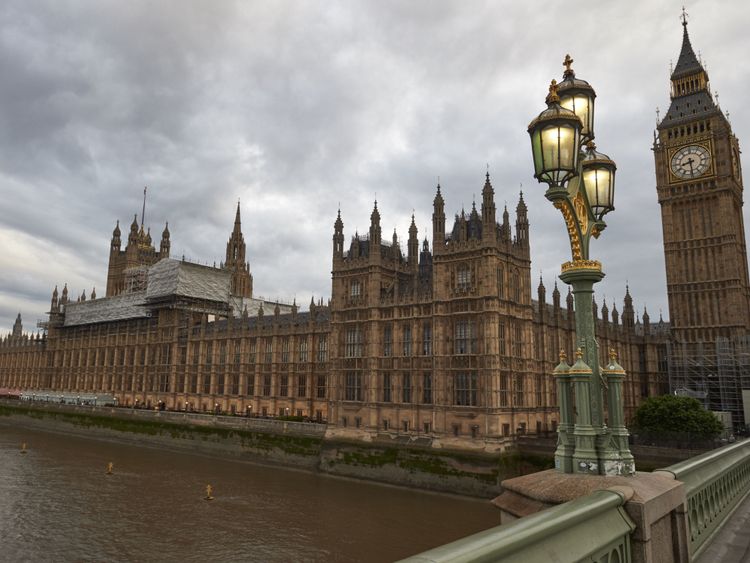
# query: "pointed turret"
165,242
413,245
556,298
605,311
93,293
54,305
17,327
116,240
64,297
522,221
646,322
438,222
242,280
312,308
628,313
541,292
375,233
474,227
615,315
505,227
133,236
488,210
338,238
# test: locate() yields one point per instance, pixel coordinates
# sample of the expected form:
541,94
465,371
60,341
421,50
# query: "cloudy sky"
299,107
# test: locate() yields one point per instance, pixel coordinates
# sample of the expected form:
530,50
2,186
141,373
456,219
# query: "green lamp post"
581,184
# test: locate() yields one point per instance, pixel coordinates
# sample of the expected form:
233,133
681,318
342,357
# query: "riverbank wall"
303,445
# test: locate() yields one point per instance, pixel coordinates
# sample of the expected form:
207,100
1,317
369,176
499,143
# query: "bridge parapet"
715,482
590,528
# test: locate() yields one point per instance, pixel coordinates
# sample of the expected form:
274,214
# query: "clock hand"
690,162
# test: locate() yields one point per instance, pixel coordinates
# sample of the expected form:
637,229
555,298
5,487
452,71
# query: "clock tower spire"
699,186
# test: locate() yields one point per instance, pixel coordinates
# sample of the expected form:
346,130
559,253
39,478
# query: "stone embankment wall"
647,458
271,441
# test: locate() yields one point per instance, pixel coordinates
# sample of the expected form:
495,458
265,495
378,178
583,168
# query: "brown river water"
58,504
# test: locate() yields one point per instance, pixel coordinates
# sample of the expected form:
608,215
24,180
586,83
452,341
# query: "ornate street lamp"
555,140
578,96
581,184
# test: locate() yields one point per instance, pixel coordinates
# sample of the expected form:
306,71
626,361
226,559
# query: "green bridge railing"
715,482
590,528
596,528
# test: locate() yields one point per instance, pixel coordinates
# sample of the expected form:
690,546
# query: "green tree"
669,414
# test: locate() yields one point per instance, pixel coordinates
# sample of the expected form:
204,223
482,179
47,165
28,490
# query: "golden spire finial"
563,355
552,97
579,353
612,355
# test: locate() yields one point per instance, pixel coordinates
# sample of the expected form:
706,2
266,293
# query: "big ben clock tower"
699,185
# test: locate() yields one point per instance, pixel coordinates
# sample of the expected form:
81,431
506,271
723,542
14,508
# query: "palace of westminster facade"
450,341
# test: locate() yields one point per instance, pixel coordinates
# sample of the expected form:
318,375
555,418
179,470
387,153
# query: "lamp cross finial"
566,63
684,16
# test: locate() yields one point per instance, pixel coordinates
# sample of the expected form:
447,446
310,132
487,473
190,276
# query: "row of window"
464,341
192,383
465,388
463,280
162,354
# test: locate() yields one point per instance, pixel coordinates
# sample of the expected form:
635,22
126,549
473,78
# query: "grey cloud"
297,107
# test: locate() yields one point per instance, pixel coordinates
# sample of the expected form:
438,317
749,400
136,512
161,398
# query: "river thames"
58,504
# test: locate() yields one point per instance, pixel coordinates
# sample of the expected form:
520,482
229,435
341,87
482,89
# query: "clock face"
690,162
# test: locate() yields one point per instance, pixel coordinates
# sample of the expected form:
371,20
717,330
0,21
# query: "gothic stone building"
445,344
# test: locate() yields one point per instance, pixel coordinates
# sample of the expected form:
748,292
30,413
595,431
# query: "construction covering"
108,309
174,278
716,373
167,280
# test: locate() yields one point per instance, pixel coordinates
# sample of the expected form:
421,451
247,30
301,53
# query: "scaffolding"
715,373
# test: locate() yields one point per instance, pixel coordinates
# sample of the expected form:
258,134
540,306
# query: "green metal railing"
715,482
594,528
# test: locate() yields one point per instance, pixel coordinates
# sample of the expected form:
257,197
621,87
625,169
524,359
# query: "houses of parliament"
452,341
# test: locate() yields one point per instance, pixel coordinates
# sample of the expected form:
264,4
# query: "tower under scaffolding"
715,373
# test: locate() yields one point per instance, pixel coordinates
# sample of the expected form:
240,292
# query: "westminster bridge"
689,511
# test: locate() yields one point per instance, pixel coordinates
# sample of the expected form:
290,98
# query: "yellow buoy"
110,467
23,448
209,490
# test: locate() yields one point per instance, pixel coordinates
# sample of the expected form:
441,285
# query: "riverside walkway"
731,543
